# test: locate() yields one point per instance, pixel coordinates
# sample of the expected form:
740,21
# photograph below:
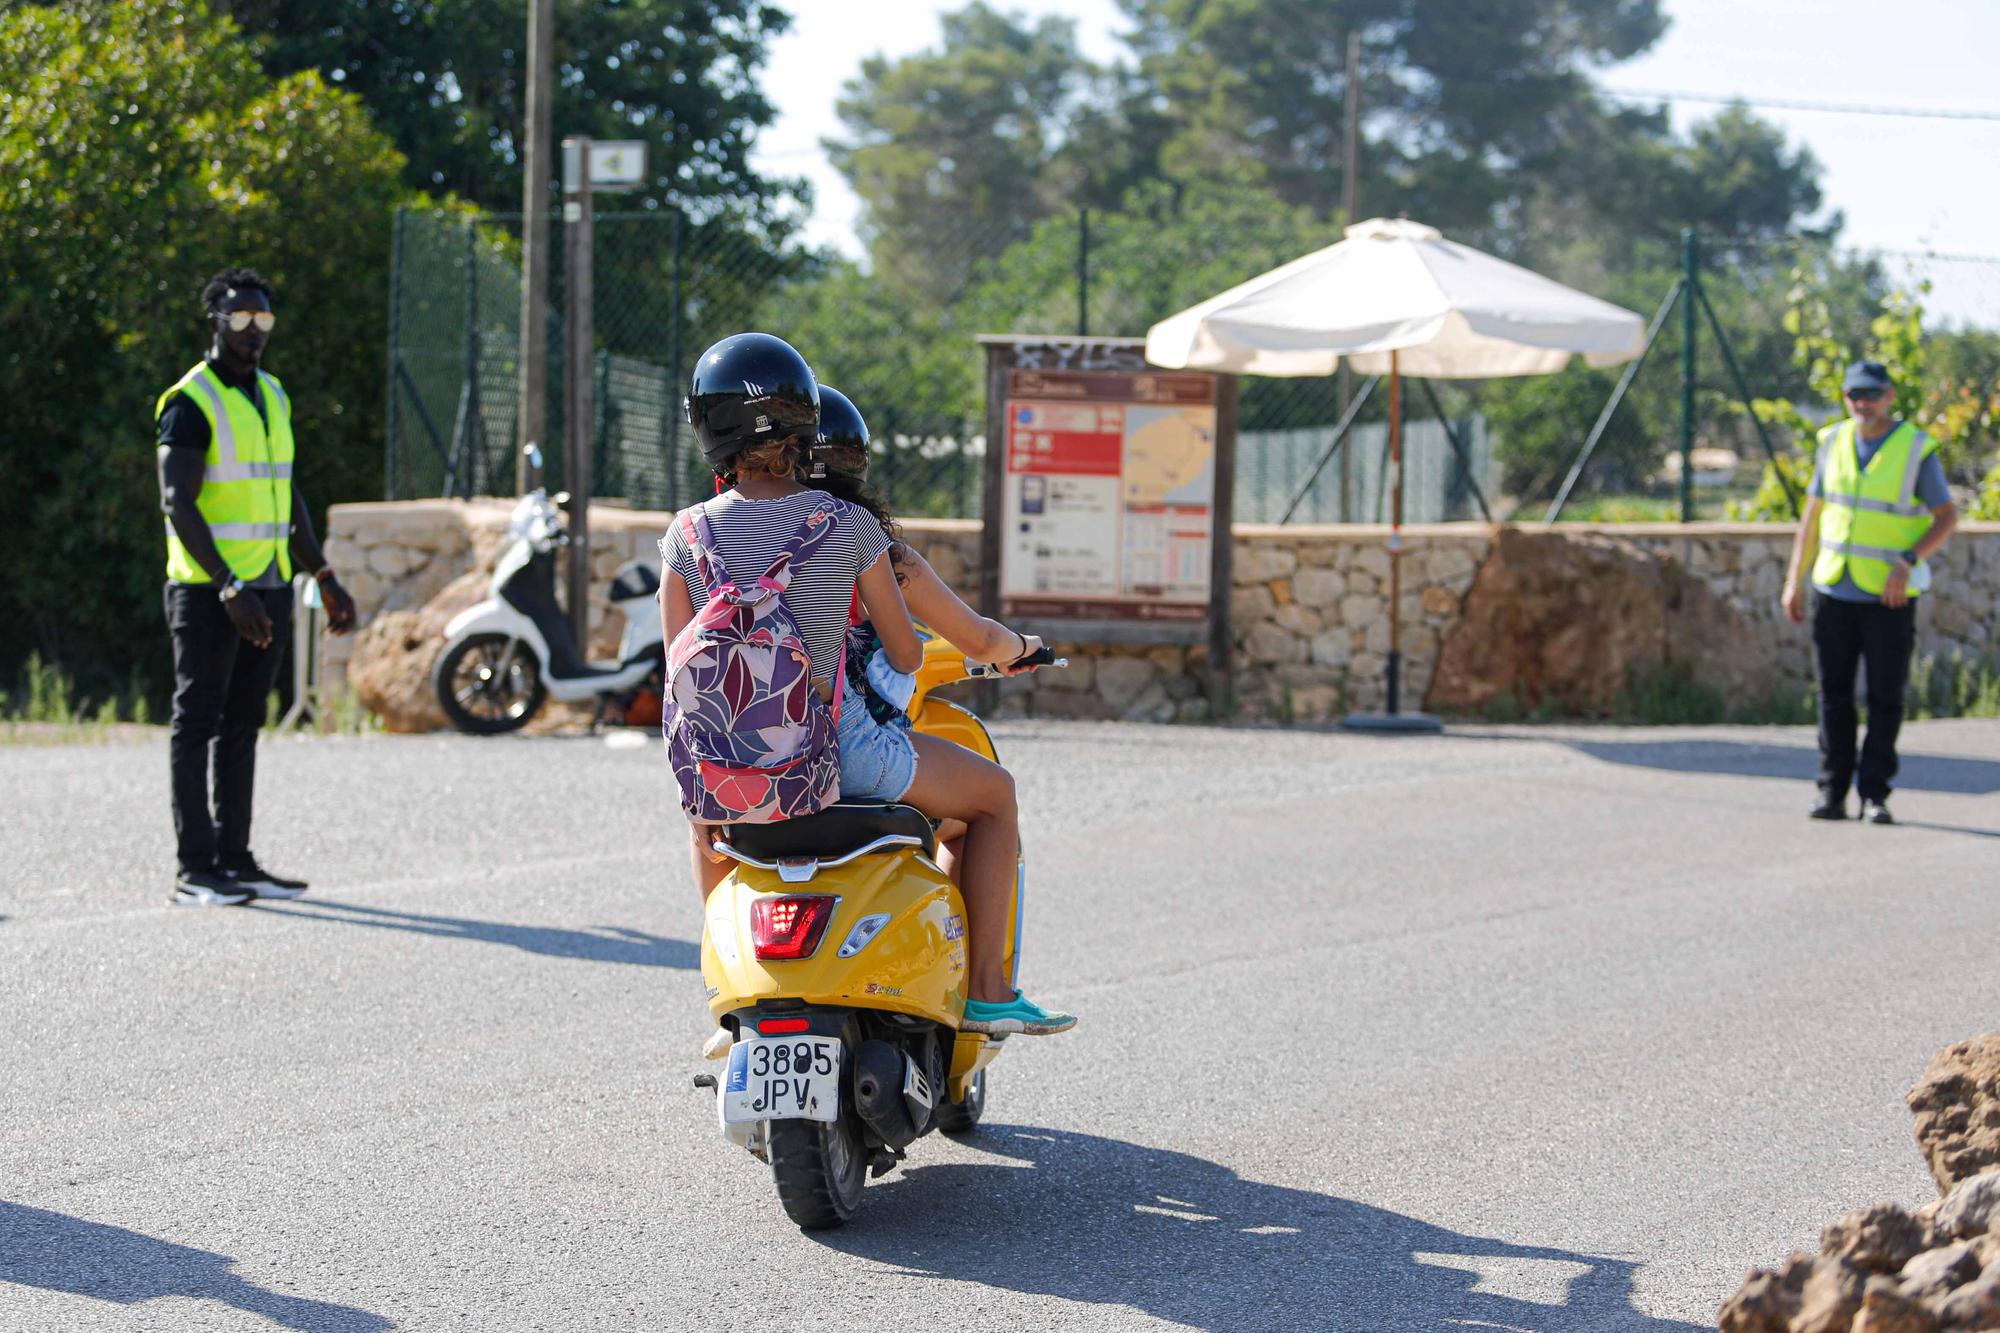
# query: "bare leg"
708,870
954,783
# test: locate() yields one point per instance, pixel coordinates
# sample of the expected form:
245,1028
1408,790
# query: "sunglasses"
1863,395
239,320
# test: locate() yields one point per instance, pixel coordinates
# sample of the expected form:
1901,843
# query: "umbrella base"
1408,723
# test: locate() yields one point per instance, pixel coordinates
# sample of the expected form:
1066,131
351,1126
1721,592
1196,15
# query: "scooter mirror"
560,498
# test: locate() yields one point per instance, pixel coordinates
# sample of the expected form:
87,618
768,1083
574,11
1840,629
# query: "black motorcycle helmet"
843,437
746,389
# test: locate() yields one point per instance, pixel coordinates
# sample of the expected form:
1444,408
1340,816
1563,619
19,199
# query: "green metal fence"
897,334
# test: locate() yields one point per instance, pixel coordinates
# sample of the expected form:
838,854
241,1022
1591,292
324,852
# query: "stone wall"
1309,605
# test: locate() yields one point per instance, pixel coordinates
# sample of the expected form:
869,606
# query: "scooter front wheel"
820,1170
483,689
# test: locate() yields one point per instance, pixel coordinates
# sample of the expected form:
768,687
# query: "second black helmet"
746,389
843,435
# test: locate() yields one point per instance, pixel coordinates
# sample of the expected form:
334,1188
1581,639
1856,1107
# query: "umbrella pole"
1395,536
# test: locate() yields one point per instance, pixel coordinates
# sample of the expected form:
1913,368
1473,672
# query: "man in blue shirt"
1865,584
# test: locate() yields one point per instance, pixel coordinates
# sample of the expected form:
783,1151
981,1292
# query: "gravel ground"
1548,1029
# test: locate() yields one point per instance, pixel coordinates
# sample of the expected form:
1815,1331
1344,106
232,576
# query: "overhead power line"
1785,104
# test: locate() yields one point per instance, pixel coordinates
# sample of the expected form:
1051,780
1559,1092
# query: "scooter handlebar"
1041,657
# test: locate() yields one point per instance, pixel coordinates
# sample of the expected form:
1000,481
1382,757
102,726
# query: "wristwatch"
230,589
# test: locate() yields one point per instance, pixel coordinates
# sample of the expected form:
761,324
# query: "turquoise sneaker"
1019,1014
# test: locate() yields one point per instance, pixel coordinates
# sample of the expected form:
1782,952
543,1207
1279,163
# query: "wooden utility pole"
1350,168
535,173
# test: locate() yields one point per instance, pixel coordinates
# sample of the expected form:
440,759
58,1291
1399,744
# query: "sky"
1903,184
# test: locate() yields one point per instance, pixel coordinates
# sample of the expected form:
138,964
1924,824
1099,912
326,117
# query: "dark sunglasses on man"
239,320
1863,395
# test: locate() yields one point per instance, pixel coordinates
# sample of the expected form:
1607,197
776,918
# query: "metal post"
676,464
1083,272
580,410
1340,433
305,652
1349,183
1690,281
1617,397
465,458
533,425
1396,536
1743,391
392,453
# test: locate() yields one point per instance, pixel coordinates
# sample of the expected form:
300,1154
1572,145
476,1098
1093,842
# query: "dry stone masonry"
1309,610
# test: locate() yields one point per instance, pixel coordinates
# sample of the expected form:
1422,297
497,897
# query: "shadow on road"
56,1252
603,944
1919,772
1097,1220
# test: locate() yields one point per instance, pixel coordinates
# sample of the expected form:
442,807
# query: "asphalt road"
1553,1030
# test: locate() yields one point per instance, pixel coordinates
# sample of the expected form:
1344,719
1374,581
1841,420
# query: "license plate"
782,1078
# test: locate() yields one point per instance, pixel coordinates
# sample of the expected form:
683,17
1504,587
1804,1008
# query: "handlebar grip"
1042,656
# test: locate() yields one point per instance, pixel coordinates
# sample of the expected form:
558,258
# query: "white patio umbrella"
1396,296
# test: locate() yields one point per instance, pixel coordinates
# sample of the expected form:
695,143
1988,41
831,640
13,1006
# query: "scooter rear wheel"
476,698
819,1169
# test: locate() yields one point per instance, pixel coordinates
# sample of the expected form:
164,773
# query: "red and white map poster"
1109,483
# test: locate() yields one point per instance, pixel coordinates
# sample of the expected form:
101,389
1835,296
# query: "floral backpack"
750,740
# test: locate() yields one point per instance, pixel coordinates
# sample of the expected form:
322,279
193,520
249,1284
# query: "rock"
1334,647
1830,1298
1767,1300
1974,1305
1318,588
1877,1239
1972,1208
1357,611
1269,643
1931,1274
1957,1106
1260,562
1370,560
390,667
1887,1308
1121,680
1569,618
1300,620
389,560
1248,605
1439,601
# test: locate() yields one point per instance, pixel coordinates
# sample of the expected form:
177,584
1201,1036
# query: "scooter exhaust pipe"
878,1093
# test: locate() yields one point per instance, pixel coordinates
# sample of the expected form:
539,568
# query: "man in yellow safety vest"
1878,508
234,518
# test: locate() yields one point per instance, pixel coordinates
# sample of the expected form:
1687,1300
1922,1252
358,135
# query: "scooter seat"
836,830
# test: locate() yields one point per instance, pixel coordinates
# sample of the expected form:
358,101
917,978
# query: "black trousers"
222,684
1846,634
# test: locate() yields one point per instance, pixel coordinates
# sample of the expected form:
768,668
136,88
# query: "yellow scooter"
834,952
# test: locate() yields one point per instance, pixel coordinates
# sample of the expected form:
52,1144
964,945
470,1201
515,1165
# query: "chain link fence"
897,335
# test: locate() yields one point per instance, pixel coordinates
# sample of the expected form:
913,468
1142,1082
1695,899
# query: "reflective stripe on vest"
246,485
1869,519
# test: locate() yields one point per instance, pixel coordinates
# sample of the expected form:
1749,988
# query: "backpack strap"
701,540
819,525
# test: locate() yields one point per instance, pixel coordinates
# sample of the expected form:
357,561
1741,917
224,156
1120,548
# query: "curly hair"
860,494
784,457
236,279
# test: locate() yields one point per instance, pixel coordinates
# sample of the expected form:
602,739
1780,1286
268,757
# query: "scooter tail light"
790,926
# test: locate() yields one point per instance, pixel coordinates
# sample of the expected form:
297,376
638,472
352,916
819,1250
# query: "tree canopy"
141,154
447,81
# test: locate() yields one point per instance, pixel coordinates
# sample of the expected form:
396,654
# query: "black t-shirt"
182,426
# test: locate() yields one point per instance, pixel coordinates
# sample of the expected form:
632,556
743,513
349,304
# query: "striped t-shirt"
751,533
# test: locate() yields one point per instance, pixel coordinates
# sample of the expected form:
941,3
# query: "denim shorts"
878,760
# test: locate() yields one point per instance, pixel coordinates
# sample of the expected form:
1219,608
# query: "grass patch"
1952,686
45,707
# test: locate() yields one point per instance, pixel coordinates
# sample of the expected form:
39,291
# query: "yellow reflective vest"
246,484
1869,519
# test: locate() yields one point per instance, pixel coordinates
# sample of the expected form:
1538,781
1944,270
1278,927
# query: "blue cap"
1866,375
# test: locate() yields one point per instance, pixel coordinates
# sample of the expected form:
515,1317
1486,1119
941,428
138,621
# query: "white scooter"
504,656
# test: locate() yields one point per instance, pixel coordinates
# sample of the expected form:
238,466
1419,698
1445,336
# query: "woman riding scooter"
755,378
949,782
